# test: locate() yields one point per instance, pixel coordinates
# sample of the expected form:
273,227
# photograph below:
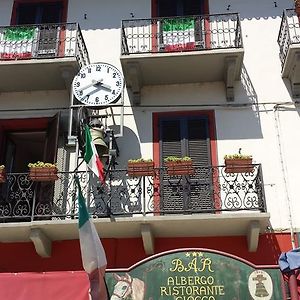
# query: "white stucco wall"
5,12
258,125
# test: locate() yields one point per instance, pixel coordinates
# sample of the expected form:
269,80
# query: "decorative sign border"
195,274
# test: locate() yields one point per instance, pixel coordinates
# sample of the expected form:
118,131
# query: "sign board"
195,274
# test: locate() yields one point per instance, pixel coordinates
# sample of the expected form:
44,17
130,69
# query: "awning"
64,285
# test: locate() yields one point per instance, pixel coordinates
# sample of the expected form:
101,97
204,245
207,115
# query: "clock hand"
94,82
106,86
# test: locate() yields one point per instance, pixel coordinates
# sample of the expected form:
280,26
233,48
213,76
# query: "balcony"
289,49
177,50
210,202
40,57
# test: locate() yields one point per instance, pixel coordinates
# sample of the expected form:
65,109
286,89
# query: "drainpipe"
293,287
279,144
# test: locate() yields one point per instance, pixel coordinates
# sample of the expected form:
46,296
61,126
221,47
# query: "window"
23,141
180,34
188,134
45,39
170,8
39,13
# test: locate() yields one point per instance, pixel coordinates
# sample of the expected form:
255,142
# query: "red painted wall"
122,253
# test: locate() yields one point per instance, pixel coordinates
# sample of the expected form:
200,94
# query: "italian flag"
17,42
179,34
92,252
91,156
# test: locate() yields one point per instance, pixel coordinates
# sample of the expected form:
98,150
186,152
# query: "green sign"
194,275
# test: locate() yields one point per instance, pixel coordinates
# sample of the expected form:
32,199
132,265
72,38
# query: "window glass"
168,8
38,13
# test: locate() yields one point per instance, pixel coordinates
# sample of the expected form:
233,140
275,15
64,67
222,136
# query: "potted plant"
2,174
238,163
41,171
140,167
179,165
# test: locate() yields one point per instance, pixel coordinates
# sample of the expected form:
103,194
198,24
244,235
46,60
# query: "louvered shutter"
172,193
48,40
45,190
181,137
50,150
198,144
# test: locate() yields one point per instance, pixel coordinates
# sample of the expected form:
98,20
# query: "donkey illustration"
128,288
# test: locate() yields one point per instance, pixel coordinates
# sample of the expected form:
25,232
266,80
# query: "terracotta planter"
137,169
2,175
238,165
43,174
297,7
180,168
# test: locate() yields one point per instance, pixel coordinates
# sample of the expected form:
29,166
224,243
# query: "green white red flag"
92,252
17,42
91,156
178,34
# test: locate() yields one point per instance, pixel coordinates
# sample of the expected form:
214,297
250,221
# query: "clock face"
98,84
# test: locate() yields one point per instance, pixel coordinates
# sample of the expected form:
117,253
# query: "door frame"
62,29
154,27
209,114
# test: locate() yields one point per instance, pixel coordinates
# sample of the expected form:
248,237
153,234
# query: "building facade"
202,79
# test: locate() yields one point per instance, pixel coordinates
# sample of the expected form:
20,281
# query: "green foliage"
40,164
237,156
177,159
139,160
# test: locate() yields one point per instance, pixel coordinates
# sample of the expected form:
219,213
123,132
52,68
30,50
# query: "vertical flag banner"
92,252
91,156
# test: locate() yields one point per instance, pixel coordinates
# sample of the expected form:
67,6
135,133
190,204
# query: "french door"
49,16
183,28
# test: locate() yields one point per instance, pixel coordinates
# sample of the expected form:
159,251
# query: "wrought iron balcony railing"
188,33
208,190
43,41
289,33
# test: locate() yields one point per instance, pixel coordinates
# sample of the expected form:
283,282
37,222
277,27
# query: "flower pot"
180,168
43,174
297,7
137,169
2,175
238,165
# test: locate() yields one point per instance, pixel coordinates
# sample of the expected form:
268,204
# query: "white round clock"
98,84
